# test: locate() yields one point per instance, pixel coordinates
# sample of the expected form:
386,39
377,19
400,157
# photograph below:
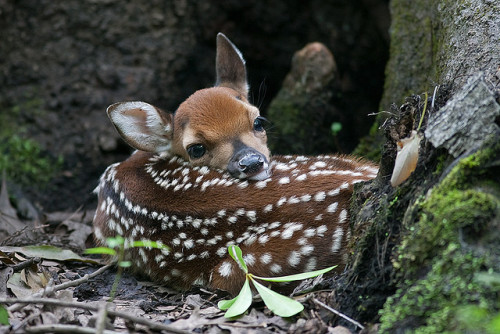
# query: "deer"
203,179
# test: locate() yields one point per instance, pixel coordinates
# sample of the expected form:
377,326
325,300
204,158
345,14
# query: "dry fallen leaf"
406,159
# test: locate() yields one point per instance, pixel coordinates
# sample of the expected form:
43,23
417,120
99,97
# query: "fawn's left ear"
230,66
142,126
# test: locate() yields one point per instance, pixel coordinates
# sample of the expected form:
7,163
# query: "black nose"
251,163
248,163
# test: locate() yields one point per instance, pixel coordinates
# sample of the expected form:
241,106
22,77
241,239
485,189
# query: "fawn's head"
215,127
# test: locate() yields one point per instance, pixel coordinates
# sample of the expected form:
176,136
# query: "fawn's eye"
258,124
196,151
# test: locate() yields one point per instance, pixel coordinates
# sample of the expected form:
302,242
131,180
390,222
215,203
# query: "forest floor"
57,289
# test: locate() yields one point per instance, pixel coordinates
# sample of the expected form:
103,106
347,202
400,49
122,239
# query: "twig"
102,315
25,264
50,301
64,329
51,289
338,313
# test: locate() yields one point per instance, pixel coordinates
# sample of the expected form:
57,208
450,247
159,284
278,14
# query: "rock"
304,108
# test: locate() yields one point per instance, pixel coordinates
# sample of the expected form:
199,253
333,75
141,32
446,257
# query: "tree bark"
425,255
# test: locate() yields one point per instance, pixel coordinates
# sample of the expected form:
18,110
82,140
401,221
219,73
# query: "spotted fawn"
202,179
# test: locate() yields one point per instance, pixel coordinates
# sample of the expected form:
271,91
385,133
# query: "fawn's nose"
250,164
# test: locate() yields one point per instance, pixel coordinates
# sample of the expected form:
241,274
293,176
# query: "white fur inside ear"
406,159
141,125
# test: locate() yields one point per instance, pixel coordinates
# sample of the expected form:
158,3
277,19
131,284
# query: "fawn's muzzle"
249,164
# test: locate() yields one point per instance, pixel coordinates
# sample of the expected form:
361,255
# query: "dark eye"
258,124
196,151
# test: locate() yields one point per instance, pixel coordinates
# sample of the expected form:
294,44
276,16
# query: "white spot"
342,216
305,198
274,225
226,269
229,235
221,213
337,239
322,229
204,231
204,255
309,232
306,249
294,258
320,196
275,268
221,251
312,262
263,238
293,200
268,208
290,228
332,207
188,244
249,259
320,164
274,234
192,257
284,180
319,217
301,177
250,240
261,184
266,258
232,219
281,201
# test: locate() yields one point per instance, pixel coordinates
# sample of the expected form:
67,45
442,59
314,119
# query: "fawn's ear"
142,125
230,66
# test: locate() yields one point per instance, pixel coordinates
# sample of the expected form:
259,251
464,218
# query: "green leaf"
336,127
47,252
237,256
278,304
225,304
296,277
149,244
242,302
125,264
117,241
100,250
4,316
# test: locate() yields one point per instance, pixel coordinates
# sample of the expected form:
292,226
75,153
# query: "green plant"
4,316
24,161
277,303
116,248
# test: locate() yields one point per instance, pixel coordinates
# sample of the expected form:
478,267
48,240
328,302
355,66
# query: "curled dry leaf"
406,159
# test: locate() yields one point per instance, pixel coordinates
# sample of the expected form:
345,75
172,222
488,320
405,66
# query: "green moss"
440,255
24,161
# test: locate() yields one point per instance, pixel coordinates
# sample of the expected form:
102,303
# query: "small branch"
25,264
338,313
64,329
139,320
51,289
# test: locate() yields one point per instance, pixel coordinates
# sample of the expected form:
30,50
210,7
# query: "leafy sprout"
116,248
279,304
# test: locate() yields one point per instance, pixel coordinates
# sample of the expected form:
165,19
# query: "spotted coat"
292,222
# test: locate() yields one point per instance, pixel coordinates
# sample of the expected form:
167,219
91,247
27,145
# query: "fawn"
203,179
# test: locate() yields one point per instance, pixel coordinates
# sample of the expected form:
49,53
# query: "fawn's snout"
249,163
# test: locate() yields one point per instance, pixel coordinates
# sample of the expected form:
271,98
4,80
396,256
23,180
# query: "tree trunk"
426,253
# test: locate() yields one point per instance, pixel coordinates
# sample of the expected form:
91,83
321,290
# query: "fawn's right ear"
230,66
142,125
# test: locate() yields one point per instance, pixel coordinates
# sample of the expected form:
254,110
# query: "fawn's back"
203,180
